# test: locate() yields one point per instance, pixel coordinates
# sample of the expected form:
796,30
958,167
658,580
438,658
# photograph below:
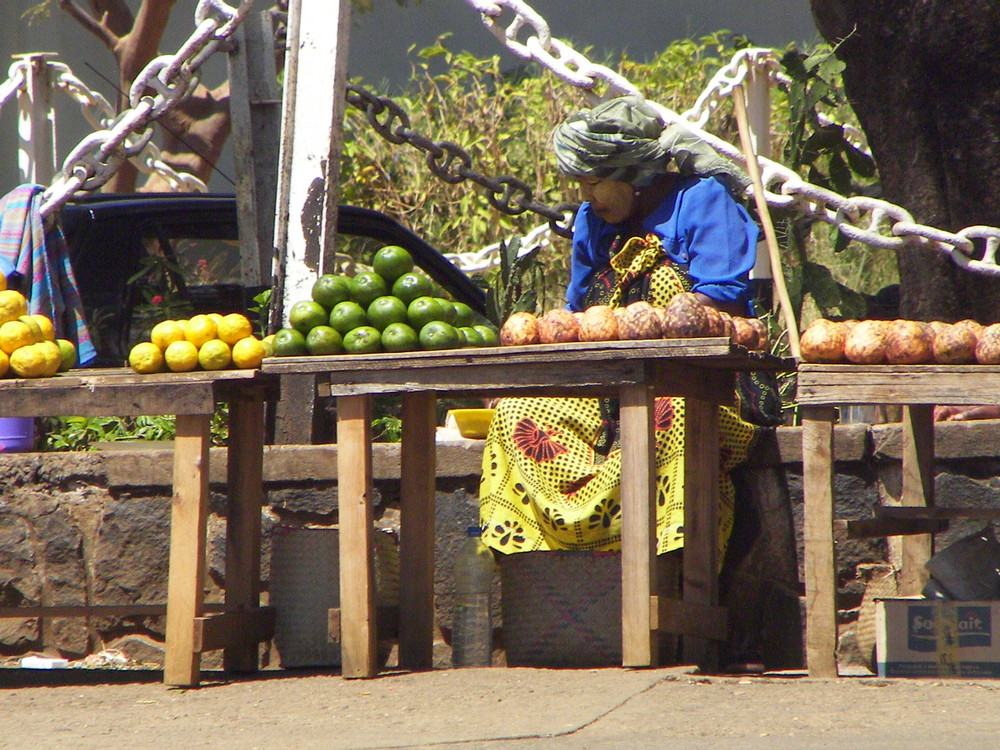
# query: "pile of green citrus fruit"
28,344
209,341
391,308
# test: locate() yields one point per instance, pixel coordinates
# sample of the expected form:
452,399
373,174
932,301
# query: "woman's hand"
965,413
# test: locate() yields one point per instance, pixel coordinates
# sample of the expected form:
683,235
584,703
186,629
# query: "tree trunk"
921,76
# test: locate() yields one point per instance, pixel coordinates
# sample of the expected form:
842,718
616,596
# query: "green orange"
386,310
346,316
423,310
411,285
391,262
366,287
439,335
490,336
399,337
331,288
306,315
363,340
324,339
289,342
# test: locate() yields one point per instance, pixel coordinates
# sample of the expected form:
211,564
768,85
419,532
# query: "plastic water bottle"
472,631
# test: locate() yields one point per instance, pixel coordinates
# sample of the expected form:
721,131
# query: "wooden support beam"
234,630
687,618
387,623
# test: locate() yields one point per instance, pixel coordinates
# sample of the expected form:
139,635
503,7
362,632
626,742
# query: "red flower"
157,299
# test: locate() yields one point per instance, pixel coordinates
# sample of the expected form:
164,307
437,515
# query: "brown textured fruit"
519,329
865,342
823,342
954,345
598,323
558,326
909,342
714,324
762,343
640,321
685,317
973,325
744,334
988,347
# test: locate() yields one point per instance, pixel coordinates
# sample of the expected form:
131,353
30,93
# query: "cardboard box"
935,638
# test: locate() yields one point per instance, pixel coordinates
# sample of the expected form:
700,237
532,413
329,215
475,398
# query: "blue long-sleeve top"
700,226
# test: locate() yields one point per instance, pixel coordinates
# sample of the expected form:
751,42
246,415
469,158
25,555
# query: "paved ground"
497,709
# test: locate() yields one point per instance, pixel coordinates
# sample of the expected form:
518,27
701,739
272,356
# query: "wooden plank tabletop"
898,384
122,392
578,366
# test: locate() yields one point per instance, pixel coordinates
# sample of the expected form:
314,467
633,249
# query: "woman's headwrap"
624,139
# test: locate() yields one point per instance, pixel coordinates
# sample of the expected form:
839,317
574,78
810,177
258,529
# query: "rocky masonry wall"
93,528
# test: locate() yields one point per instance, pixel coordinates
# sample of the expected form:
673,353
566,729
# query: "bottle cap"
473,531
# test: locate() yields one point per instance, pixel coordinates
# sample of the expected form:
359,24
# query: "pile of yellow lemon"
209,341
28,344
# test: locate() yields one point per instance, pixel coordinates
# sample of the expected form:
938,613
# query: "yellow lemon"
234,327
199,329
181,356
28,362
146,358
215,354
14,334
45,324
216,317
53,356
268,343
4,360
182,323
12,305
3,282
248,353
36,330
165,333
68,351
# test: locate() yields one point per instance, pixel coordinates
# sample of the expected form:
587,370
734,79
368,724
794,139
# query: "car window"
201,261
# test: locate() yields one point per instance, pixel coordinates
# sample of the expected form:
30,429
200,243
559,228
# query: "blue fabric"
701,227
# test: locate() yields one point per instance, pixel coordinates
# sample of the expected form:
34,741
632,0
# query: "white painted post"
311,140
36,126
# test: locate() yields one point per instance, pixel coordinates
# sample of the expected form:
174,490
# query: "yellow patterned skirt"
547,483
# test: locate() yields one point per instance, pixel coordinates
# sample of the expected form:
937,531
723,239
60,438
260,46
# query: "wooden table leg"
354,503
918,490
416,543
820,569
243,528
188,522
701,520
640,644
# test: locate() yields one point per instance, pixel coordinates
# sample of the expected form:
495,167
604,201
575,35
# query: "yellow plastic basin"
472,423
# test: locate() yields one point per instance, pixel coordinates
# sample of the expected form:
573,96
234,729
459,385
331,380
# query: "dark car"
142,257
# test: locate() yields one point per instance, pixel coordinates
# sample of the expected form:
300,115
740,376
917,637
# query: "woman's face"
612,200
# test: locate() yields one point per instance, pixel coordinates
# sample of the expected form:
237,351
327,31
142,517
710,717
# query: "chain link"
171,78
452,164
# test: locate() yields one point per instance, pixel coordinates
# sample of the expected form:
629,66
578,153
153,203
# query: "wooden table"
701,370
192,397
918,388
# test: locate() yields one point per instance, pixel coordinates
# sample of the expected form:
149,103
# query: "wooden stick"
753,169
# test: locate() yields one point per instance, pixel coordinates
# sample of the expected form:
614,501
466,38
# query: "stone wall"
93,528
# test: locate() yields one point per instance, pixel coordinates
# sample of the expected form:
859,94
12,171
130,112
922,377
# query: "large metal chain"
171,78
872,222
452,164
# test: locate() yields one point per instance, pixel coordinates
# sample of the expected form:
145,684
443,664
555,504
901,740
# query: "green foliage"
506,293
83,433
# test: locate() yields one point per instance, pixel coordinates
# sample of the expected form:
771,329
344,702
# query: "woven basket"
305,583
562,608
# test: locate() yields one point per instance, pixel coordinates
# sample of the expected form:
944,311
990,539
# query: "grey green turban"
624,139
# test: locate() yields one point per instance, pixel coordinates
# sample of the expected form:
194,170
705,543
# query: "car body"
143,257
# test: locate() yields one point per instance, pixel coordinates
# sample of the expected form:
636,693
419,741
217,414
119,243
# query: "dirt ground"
551,709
